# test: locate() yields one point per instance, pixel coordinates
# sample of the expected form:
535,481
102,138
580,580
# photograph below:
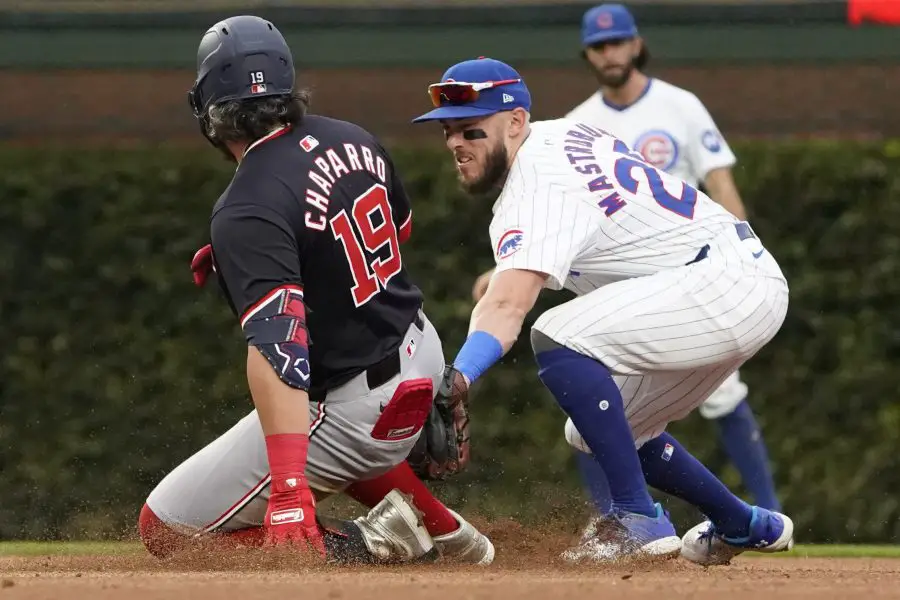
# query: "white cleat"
769,532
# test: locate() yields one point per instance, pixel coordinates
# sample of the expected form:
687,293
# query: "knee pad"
725,399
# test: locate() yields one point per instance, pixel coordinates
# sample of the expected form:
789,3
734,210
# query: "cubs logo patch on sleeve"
510,243
711,140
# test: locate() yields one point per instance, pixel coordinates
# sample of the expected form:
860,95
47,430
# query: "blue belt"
743,232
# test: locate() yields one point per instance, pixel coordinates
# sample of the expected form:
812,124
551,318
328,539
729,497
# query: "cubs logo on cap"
607,22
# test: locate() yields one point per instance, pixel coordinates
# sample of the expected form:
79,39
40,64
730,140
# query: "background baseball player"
673,131
673,294
342,363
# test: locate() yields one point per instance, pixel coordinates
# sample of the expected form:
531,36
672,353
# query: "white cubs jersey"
668,125
582,207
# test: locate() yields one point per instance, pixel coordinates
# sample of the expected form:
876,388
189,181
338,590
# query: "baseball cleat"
770,531
619,535
466,544
393,530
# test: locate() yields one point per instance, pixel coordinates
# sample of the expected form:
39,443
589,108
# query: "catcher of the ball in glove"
442,449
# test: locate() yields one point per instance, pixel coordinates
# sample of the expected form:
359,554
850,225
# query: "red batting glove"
202,265
291,515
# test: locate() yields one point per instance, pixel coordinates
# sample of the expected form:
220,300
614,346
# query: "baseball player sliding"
674,132
674,294
343,365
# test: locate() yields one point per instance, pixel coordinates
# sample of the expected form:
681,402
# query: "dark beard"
495,169
615,81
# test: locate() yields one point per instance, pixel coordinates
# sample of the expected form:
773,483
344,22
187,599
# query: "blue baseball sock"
585,390
670,468
742,440
594,480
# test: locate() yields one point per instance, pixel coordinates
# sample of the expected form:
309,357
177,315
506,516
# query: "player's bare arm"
723,190
509,298
281,408
481,285
256,256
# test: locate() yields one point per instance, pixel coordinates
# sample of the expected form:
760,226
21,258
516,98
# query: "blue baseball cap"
490,100
607,22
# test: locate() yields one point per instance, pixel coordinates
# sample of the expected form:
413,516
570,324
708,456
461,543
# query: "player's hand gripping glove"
442,449
202,265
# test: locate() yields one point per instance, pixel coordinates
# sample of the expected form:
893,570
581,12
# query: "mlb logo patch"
308,143
667,452
258,88
410,348
510,243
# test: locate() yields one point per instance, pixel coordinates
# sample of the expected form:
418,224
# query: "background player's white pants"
225,486
672,338
725,399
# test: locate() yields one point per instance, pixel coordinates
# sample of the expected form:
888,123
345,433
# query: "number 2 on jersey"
369,276
680,205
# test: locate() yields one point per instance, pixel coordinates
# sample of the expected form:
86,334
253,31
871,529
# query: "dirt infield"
35,579
526,568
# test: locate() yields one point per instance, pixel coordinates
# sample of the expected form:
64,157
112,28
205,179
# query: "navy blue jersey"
320,207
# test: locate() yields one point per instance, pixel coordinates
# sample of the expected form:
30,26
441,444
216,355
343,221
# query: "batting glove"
291,515
202,265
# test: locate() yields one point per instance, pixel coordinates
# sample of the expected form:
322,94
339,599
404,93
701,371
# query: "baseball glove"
442,449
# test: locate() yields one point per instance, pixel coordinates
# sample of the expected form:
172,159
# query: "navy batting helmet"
239,58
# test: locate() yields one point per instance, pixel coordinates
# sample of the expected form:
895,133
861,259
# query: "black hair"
250,119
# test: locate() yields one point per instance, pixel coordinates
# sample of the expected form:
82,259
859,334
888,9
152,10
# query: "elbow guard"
276,325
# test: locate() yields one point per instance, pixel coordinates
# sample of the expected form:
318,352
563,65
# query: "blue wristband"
476,356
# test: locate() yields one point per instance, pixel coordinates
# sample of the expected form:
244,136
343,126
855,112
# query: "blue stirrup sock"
585,390
740,436
594,480
670,468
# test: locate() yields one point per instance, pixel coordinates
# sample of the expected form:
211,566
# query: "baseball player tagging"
672,130
673,295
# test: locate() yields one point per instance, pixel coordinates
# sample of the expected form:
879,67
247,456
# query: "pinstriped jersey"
584,208
667,125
